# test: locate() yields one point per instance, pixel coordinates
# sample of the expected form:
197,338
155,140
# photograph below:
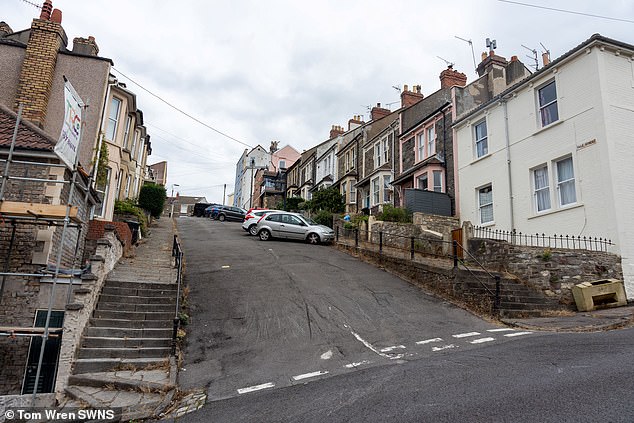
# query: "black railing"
570,242
177,253
419,248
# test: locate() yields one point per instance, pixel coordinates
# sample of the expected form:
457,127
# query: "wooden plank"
16,208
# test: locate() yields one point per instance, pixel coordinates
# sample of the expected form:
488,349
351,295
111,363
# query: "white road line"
501,330
444,347
481,340
308,375
518,334
255,388
428,341
327,355
465,335
357,364
388,349
372,348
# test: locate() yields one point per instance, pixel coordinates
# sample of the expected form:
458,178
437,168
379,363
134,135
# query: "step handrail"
496,295
177,253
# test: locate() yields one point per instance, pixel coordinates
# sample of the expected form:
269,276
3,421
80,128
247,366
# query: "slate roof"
30,137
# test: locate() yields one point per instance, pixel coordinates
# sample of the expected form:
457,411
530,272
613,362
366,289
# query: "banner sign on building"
67,146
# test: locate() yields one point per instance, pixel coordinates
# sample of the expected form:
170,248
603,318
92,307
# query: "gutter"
507,141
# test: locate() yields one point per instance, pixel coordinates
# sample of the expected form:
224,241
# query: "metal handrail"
177,253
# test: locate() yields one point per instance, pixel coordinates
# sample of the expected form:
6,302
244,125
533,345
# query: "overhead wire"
195,119
567,11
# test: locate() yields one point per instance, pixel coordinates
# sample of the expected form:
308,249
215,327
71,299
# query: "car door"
295,228
274,222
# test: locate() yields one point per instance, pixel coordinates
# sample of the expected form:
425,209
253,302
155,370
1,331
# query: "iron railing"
387,242
177,253
570,242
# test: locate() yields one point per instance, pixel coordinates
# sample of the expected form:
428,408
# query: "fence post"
380,242
411,248
175,334
496,302
337,233
455,253
356,237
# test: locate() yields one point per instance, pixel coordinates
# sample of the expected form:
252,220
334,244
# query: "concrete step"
92,365
119,342
116,283
101,305
117,332
151,380
167,291
136,324
133,315
111,352
521,313
121,299
526,306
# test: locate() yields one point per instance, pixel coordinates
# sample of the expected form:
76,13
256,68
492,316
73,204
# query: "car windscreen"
309,220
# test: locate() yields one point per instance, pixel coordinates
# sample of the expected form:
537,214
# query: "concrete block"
599,294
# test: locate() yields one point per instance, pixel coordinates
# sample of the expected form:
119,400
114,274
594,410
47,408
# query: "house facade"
550,153
249,162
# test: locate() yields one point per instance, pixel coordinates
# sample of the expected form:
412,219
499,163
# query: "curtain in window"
542,191
486,204
566,178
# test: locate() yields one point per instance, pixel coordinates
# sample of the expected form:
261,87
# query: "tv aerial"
449,64
475,65
533,57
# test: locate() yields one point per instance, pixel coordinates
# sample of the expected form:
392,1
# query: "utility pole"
172,200
251,191
224,192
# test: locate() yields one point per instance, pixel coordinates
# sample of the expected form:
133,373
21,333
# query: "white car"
251,220
286,225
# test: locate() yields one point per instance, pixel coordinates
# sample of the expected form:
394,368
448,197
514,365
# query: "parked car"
286,225
230,213
209,208
199,209
251,220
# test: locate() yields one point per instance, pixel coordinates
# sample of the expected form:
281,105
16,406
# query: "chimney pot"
47,8
546,58
405,87
56,16
513,58
484,55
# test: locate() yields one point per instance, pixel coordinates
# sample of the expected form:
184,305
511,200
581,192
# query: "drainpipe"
508,161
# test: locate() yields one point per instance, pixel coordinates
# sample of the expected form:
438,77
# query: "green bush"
329,199
130,207
394,214
152,198
324,217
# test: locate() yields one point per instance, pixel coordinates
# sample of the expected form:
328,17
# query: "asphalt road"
286,331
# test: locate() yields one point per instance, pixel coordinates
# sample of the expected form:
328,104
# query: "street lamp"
172,200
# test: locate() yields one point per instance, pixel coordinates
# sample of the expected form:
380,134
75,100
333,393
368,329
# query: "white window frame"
387,189
541,189
113,122
377,155
386,149
105,192
353,193
352,158
281,164
127,186
420,179
484,140
482,206
375,188
420,139
347,161
126,135
343,191
543,107
437,188
431,140
568,181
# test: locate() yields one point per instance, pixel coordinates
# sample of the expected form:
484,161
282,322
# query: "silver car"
286,225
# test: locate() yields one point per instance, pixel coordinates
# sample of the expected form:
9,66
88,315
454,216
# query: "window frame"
567,181
387,189
431,142
352,193
482,206
421,178
375,189
440,187
105,192
541,108
484,140
126,134
420,138
113,122
545,188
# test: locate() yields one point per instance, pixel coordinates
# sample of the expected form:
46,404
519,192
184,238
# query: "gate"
456,235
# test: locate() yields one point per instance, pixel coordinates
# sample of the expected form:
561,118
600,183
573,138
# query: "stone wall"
553,271
109,250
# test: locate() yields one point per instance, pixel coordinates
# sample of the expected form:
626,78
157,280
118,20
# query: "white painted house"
553,153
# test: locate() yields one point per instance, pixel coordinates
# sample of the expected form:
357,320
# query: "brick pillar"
38,68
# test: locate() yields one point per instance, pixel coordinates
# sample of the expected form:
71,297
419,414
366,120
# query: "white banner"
67,146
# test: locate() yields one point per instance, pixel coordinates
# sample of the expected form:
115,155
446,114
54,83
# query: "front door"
46,382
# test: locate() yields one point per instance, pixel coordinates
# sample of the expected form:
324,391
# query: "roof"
595,38
410,172
30,137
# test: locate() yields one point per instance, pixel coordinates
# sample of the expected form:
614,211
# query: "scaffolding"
66,216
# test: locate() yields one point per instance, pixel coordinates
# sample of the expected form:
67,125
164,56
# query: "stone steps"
141,308
119,283
92,365
111,352
134,315
115,332
132,324
166,290
114,342
123,299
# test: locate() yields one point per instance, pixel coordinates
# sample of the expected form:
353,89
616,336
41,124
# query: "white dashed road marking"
444,347
465,335
481,340
255,388
357,364
501,330
388,349
518,334
429,341
309,375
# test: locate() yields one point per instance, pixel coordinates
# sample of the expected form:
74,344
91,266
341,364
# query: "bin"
599,294
135,227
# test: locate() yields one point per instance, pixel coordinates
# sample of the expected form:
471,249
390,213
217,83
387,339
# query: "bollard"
455,254
337,233
380,242
411,248
356,238
496,303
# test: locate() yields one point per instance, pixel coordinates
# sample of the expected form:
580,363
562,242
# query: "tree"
329,199
152,198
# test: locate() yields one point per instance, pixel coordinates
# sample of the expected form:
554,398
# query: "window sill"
480,158
558,210
486,225
547,127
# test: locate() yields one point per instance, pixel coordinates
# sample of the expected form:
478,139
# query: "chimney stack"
409,98
273,147
5,29
546,58
355,122
86,46
38,67
378,112
335,131
450,77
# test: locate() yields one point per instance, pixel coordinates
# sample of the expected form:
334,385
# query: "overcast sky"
264,70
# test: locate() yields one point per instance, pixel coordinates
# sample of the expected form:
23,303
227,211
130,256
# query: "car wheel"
253,230
264,235
221,218
313,238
